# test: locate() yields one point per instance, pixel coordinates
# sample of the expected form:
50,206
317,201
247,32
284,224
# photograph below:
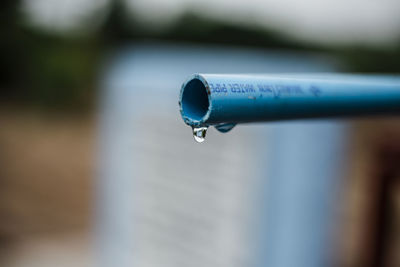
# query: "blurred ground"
46,170
370,228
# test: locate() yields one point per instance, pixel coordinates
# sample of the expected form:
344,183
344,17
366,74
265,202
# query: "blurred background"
97,168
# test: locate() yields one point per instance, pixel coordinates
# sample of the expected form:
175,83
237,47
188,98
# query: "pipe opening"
194,100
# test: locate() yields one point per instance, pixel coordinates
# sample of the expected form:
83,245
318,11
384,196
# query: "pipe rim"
195,101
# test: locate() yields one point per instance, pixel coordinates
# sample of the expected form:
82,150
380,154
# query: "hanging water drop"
225,127
199,134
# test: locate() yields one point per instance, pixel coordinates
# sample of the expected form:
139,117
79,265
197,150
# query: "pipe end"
195,101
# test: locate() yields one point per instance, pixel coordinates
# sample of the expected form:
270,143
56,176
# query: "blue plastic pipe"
225,99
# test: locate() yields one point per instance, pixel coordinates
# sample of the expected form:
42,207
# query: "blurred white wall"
165,200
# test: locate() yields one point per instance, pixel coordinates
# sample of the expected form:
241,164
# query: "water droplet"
225,127
199,134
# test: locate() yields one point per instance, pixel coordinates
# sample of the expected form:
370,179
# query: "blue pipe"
224,100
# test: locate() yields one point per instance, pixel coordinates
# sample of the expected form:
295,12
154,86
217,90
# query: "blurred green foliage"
194,28
45,69
371,60
59,71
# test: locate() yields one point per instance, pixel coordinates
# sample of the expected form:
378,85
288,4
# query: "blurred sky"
336,21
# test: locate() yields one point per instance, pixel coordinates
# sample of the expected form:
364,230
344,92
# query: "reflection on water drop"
199,134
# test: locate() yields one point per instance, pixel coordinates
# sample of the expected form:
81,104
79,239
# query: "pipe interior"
194,100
